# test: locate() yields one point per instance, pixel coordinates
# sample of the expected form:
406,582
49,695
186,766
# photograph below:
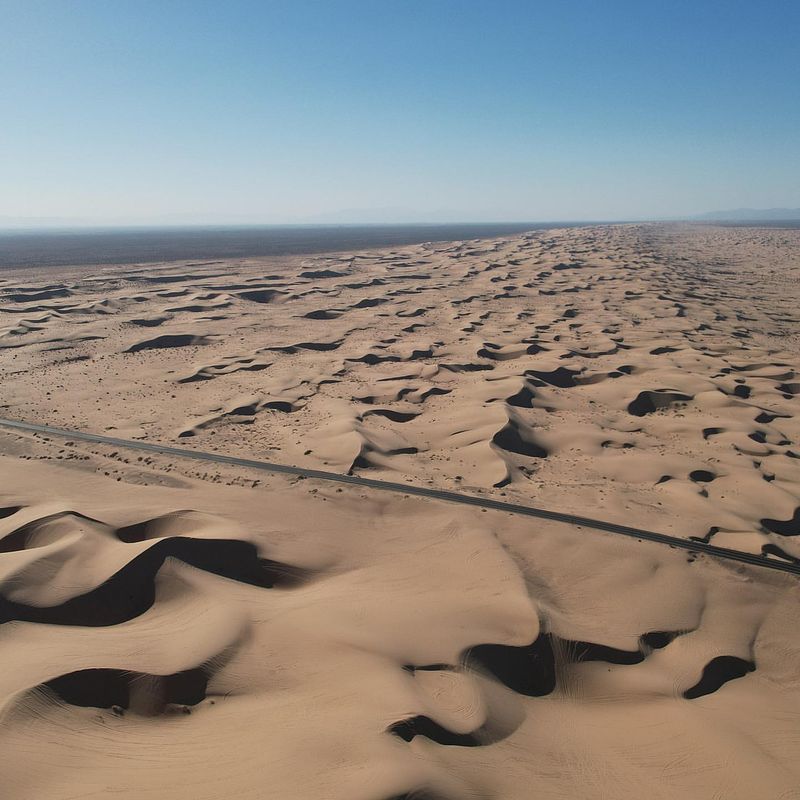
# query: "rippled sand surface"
183,630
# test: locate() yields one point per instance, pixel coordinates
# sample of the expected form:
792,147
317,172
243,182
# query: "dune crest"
197,630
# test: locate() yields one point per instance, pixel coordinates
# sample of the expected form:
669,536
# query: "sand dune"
186,630
625,368
404,647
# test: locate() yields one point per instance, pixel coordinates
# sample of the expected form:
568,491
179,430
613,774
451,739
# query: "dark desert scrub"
56,248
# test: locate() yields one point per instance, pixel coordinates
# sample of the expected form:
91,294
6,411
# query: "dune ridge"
194,630
288,612
599,367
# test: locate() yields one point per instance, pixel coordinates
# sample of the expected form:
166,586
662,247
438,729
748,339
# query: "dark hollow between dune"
39,296
648,402
508,438
773,550
373,358
8,511
394,416
522,399
370,302
789,527
532,670
484,352
131,591
322,273
657,640
466,367
321,346
528,670
702,476
561,378
106,688
417,312
718,672
167,341
153,322
764,418
425,726
260,295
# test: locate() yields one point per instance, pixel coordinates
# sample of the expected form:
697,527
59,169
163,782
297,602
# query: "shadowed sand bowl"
175,630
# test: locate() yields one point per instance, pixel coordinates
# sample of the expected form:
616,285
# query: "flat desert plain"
187,629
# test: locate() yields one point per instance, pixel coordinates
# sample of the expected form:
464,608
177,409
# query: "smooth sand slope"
174,630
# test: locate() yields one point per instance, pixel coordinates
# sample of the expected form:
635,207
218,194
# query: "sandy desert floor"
173,629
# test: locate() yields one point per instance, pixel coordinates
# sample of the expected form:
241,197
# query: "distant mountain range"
751,215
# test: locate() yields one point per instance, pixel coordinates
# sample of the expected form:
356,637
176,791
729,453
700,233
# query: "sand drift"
409,489
310,551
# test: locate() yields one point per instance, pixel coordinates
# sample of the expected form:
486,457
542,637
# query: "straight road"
403,488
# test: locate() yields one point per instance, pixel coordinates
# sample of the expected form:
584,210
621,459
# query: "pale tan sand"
265,637
514,363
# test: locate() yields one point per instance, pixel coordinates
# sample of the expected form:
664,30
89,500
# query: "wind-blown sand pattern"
174,630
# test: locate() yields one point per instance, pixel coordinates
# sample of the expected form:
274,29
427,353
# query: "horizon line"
115,226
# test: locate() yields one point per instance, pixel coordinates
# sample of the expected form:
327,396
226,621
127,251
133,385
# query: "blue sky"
137,111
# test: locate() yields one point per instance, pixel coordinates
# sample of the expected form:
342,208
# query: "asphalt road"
404,488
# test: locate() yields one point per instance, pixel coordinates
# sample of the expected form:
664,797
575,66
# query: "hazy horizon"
187,221
353,220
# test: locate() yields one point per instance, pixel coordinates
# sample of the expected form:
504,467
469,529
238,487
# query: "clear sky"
228,111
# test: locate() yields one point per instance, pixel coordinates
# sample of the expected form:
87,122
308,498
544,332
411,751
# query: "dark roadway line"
420,491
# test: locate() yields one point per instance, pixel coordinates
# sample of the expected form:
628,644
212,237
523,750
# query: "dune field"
174,628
